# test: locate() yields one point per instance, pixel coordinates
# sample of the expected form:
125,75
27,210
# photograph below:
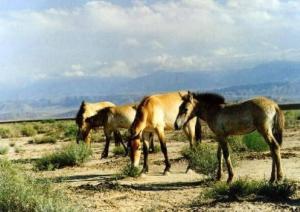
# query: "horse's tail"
198,133
278,125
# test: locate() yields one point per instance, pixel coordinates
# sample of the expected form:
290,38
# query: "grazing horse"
112,119
157,113
259,114
85,111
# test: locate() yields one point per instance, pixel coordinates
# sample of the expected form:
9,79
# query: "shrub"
18,149
255,142
246,188
71,131
5,133
278,191
71,155
118,150
12,143
43,140
131,171
21,192
236,144
156,149
28,130
3,150
202,158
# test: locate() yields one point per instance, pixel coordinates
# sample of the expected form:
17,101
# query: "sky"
46,39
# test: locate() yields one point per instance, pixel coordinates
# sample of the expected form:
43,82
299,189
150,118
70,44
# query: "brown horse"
259,114
112,119
157,113
85,111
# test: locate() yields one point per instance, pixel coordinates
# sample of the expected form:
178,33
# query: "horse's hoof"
229,180
103,156
166,173
143,175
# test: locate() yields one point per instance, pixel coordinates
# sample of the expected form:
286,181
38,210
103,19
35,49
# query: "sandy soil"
95,186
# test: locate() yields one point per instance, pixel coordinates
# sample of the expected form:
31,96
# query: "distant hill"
61,97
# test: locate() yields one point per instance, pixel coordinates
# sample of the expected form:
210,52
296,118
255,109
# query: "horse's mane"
139,113
210,98
79,116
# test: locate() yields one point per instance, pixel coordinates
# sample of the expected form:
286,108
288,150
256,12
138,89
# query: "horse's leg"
145,152
220,162
163,146
275,153
119,140
151,142
225,149
190,134
107,133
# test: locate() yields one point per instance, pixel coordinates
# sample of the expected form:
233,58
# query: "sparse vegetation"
292,118
255,142
28,130
202,158
70,131
131,171
244,188
5,133
43,140
3,150
156,148
118,150
20,192
18,149
12,143
71,155
236,143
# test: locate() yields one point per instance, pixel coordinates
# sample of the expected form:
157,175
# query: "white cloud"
144,37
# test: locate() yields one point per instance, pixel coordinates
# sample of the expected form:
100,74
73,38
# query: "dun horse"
85,111
112,119
259,114
157,113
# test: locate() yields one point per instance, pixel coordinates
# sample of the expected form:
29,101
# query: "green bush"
71,131
131,171
43,140
71,155
28,130
5,133
118,150
255,142
245,188
202,158
236,144
20,192
156,149
3,150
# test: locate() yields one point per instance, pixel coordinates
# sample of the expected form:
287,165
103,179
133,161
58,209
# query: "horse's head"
187,110
135,148
80,121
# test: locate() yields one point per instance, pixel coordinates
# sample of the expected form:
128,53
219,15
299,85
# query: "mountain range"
61,97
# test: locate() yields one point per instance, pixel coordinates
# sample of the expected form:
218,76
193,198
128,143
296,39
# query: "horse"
85,111
157,113
260,113
112,119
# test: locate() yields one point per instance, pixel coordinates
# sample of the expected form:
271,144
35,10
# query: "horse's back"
122,115
162,109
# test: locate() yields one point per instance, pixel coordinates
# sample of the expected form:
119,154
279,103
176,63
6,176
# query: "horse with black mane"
261,114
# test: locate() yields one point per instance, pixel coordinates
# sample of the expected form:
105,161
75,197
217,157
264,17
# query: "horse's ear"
135,107
83,102
182,96
190,96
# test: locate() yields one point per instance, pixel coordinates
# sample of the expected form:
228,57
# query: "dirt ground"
95,186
